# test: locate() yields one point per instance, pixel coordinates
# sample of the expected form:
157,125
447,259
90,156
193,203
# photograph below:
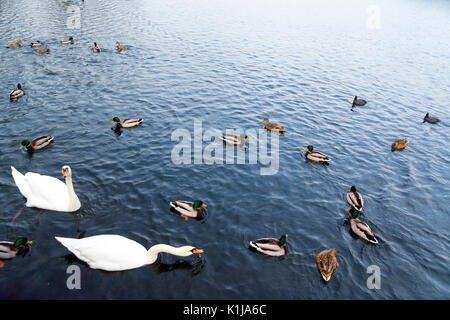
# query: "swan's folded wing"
46,192
21,183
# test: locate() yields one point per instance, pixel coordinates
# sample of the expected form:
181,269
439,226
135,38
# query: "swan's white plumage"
44,192
108,252
116,253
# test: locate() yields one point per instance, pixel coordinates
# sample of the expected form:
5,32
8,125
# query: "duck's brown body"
399,144
327,263
273,126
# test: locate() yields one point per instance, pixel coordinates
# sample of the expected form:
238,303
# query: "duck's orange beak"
112,121
204,205
305,148
29,242
21,147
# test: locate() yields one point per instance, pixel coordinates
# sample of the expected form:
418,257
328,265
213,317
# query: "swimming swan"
112,252
47,192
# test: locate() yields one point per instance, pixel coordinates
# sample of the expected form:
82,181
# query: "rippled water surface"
229,64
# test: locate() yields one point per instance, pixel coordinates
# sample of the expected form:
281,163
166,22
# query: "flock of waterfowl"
115,252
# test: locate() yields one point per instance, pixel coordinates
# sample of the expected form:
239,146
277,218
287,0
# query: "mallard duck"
315,156
67,41
120,47
189,209
37,143
16,44
358,102
361,229
116,253
43,50
271,246
35,44
128,122
429,119
233,139
17,93
10,250
399,144
96,48
273,126
353,212
327,263
355,199
46,192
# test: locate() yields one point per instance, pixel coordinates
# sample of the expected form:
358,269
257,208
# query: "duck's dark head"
22,244
115,119
283,239
19,86
71,38
353,189
24,143
95,44
309,148
353,212
198,204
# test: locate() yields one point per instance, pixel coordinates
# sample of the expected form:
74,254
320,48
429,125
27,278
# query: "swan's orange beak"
197,251
65,172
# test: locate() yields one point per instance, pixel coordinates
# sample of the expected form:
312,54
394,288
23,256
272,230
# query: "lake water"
228,64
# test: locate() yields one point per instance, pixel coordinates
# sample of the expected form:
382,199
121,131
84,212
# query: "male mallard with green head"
361,228
189,209
10,250
315,156
271,246
67,41
128,122
37,143
234,140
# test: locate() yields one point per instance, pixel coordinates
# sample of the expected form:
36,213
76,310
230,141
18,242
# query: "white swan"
47,192
116,253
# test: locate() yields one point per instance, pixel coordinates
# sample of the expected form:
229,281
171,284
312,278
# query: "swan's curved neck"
72,196
157,248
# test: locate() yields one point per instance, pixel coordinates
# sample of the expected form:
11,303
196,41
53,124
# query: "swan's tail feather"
20,182
66,242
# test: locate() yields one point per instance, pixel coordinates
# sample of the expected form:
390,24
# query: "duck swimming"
189,209
37,143
120,47
96,48
116,253
327,263
43,50
128,122
358,102
399,144
10,250
67,41
429,119
315,156
273,126
271,246
360,228
17,93
35,44
233,139
355,199
16,44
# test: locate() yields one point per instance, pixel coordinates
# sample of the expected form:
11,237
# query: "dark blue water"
229,64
